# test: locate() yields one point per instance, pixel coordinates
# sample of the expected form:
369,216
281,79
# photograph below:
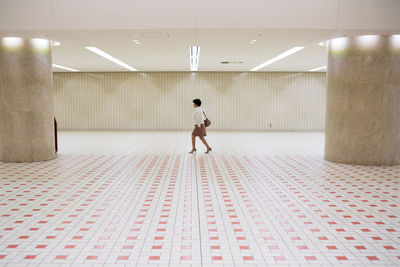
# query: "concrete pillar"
363,100
26,100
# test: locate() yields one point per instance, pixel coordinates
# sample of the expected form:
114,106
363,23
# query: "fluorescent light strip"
279,57
64,68
109,57
317,69
194,57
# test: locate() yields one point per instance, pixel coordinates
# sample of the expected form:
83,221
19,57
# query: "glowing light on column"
368,41
395,41
12,41
41,44
338,44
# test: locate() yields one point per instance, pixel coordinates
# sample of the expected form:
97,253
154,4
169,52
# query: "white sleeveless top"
198,116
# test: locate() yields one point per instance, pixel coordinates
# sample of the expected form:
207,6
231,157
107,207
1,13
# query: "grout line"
194,158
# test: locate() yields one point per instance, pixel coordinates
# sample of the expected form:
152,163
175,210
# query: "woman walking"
199,127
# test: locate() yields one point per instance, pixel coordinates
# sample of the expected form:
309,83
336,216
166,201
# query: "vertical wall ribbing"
162,101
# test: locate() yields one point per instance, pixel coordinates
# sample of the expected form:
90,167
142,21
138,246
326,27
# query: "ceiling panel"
223,30
201,14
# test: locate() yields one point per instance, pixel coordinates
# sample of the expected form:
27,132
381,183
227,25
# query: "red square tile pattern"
139,199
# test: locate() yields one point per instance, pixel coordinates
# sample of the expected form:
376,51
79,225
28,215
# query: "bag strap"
205,115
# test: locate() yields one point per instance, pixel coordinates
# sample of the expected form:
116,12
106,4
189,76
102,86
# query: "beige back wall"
162,100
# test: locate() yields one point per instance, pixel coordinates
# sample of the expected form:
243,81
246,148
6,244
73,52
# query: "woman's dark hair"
197,102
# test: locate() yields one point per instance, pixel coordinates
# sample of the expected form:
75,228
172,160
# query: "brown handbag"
207,122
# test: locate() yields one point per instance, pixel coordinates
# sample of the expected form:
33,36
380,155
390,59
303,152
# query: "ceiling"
222,28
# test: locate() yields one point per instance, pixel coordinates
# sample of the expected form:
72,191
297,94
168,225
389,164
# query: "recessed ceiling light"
55,43
324,43
278,57
319,68
64,68
254,41
109,57
194,57
231,62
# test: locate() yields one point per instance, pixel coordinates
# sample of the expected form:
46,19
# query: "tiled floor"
134,199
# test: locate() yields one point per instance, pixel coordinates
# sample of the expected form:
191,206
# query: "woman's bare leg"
204,142
193,142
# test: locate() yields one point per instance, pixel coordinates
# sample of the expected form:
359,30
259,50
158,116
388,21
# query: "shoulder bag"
207,122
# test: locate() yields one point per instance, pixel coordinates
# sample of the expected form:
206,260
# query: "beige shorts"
199,131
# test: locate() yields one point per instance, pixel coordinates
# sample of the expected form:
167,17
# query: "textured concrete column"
363,100
26,100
